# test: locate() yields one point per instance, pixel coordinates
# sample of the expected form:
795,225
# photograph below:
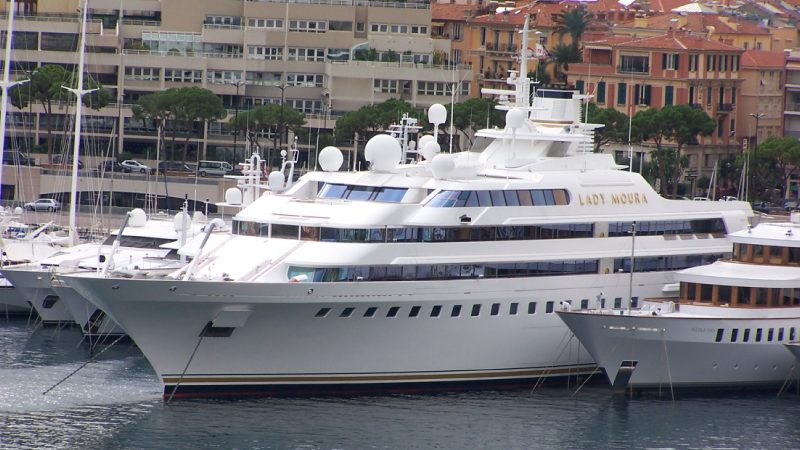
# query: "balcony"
633,70
724,108
501,48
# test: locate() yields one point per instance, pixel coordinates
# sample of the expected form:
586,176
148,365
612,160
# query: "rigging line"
92,358
597,369
669,372
175,389
786,383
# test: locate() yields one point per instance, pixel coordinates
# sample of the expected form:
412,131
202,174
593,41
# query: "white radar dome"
233,196
138,218
181,221
199,217
442,165
515,118
18,210
437,113
430,150
330,159
383,152
275,180
425,139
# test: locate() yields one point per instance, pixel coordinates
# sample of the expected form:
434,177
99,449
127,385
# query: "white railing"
129,51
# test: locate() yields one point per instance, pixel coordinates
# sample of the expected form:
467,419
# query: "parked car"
18,158
135,166
112,166
173,166
763,207
790,205
213,168
728,198
43,204
60,159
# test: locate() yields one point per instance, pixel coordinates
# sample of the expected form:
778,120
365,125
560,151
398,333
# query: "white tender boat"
439,274
727,329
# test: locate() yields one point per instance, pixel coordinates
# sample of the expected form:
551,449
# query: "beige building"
249,52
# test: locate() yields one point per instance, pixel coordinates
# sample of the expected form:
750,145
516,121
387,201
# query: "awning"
437,24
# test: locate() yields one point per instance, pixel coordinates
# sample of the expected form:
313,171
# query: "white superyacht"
440,274
730,326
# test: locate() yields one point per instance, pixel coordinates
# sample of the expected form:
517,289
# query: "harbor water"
114,402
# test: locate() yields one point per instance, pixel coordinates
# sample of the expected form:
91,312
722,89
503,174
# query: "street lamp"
758,116
238,84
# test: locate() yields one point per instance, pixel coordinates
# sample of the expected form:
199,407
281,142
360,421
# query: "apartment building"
634,74
323,58
791,114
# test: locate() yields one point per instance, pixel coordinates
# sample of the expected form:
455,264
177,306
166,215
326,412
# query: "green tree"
615,126
45,87
474,114
197,104
574,22
773,164
679,124
561,56
271,118
161,107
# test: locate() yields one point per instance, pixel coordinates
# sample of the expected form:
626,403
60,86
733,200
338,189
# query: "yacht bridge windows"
423,272
483,198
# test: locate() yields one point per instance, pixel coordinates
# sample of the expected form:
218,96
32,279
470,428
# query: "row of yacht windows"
452,234
666,227
766,254
362,193
442,271
474,310
739,295
520,197
661,263
772,335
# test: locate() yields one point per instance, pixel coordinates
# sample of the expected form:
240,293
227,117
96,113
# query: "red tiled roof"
448,11
701,22
669,41
763,58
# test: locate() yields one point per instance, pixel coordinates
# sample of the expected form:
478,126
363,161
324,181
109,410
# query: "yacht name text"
617,198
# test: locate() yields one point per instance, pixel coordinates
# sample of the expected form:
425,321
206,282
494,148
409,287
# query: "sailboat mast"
523,87
6,84
76,144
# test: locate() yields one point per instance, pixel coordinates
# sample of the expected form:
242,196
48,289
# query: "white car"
135,166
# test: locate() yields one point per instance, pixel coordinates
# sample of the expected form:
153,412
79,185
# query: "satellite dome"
276,180
330,159
442,165
233,196
383,152
430,150
138,218
437,114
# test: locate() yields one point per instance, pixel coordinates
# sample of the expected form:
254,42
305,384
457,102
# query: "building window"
458,31
265,24
266,53
386,86
641,94
622,92
579,85
223,76
693,62
304,79
306,54
308,26
669,92
600,93
669,61
143,73
634,64
183,75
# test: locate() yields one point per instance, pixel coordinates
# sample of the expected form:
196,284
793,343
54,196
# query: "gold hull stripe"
328,379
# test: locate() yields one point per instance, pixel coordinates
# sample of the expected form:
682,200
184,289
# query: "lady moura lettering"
622,198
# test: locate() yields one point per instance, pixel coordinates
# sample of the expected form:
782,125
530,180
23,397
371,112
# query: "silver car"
43,204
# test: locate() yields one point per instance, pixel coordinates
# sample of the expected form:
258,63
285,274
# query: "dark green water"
115,403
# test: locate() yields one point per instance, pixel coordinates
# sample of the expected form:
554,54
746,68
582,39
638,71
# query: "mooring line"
91,358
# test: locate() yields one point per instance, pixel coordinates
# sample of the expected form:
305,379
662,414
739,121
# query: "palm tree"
562,55
573,21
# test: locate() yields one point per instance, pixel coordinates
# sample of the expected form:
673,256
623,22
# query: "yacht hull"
34,285
92,320
689,352
12,301
227,338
